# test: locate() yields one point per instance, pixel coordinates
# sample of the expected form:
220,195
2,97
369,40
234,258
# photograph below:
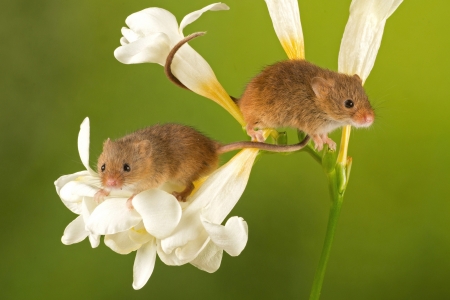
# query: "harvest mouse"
298,94
163,153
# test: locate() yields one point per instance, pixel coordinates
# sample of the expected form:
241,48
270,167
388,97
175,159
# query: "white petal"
121,243
83,144
150,49
94,239
87,207
73,191
209,259
154,20
74,232
130,35
362,35
285,16
169,259
61,181
144,263
159,210
112,216
139,235
226,185
193,248
123,41
232,237
216,197
189,18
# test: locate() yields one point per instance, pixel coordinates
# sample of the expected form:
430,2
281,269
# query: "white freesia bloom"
151,35
285,17
362,35
199,240
200,230
155,215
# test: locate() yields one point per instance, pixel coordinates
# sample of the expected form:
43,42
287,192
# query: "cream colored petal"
94,239
196,74
144,263
139,235
153,48
153,20
83,144
112,216
214,199
193,16
159,210
121,243
169,259
130,35
74,232
362,35
209,259
232,237
285,16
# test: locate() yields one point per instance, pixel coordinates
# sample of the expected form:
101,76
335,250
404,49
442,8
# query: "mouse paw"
256,135
331,144
180,196
99,197
318,143
129,203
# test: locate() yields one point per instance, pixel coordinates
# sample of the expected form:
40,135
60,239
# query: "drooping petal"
73,191
196,74
285,17
112,216
121,243
153,20
94,240
74,232
362,35
83,144
225,186
192,249
170,259
153,48
144,263
232,237
214,199
209,259
189,18
159,210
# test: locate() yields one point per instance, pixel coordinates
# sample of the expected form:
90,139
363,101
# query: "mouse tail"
169,60
263,146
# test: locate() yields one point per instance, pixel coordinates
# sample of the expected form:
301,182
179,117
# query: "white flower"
200,230
151,35
362,35
155,215
285,17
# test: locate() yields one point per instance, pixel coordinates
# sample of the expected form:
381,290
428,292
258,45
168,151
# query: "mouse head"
344,100
123,164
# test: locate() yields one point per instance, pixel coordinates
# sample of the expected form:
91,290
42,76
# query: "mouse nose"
112,182
368,119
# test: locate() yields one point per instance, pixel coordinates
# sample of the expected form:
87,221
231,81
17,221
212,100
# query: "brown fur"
299,94
157,154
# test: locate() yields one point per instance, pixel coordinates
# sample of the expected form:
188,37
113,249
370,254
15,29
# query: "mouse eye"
103,168
349,103
126,167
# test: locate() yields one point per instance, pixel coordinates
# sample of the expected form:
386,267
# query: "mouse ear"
357,78
321,87
107,143
143,147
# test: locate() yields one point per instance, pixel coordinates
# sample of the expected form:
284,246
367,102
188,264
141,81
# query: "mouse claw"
318,143
256,135
331,144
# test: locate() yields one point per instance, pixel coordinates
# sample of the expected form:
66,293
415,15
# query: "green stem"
337,199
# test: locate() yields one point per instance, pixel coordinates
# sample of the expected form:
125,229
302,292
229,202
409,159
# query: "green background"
393,239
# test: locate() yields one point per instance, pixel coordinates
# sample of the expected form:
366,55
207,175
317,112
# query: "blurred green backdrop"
393,239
